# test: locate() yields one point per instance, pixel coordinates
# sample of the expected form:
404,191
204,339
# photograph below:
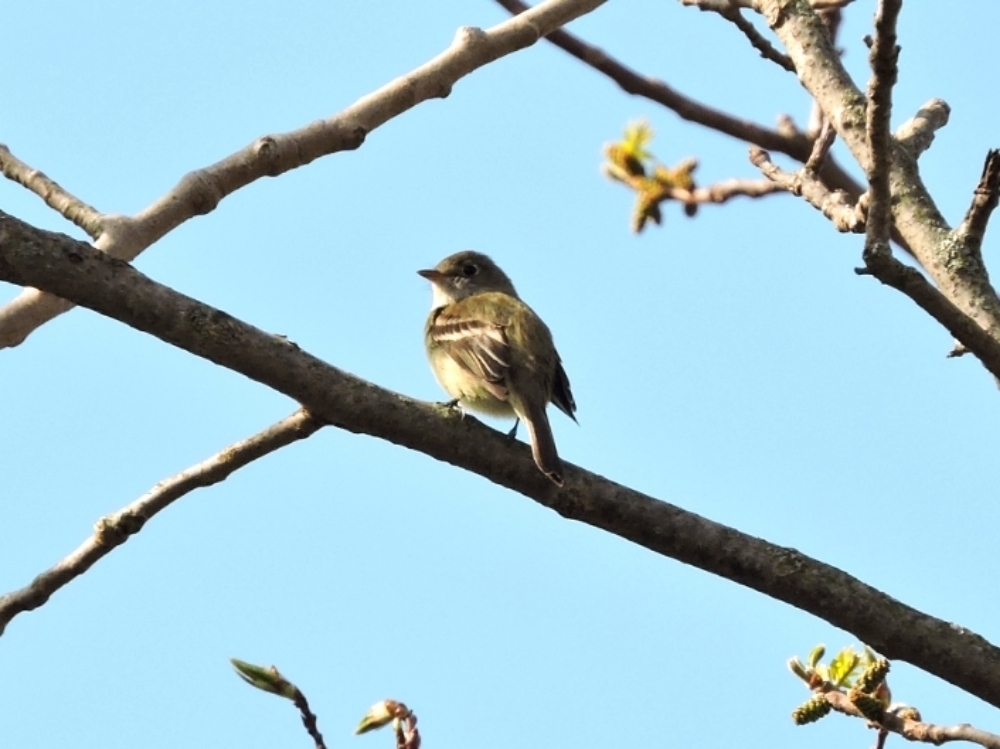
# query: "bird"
493,354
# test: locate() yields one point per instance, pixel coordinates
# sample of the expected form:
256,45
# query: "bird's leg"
454,406
513,432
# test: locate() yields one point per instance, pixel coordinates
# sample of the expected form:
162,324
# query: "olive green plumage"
492,353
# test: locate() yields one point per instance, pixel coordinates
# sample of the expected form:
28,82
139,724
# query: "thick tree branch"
200,191
76,271
832,19
115,529
848,216
55,197
956,271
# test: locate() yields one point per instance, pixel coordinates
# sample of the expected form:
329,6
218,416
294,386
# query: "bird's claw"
513,432
454,406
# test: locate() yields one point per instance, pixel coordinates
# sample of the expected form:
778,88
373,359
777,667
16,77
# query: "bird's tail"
543,445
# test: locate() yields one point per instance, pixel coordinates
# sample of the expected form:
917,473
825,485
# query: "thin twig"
915,215
719,6
846,214
817,5
973,227
637,84
716,6
115,529
650,196
269,679
824,5
787,141
200,191
883,57
758,42
906,722
720,192
731,12
55,196
821,147
957,350
308,718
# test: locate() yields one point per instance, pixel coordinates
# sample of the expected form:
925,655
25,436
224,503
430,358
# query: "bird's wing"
562,396
478,346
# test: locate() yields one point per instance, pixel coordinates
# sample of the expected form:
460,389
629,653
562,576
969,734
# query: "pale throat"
440,297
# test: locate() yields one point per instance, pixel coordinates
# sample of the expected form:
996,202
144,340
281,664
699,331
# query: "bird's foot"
454,406
513,432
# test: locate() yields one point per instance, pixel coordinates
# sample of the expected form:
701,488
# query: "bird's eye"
469,270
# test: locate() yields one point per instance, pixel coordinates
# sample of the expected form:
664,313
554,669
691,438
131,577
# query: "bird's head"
464,274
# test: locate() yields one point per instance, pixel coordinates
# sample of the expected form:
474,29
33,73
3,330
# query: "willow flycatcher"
492,353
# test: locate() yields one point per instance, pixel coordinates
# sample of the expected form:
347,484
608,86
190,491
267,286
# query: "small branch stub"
972,230
55,196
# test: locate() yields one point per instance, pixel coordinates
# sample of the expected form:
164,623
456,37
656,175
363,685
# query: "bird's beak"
434,276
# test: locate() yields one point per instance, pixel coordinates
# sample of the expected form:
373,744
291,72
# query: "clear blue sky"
732,364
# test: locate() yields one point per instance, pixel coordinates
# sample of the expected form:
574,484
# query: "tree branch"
973,227
651,193
917,133
76,271
850,217
846,214
115,529
908,725
913,284
731,12
200,191
632,82
791,143
55,197
883,59
722,192
958,273
821,148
